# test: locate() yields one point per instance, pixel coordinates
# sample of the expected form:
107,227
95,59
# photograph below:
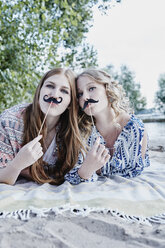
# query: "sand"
96,230
71,231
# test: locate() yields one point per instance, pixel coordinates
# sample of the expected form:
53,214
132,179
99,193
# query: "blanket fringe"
26,214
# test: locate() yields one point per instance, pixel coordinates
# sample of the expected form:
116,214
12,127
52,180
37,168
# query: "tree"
39,34
160,94
127,79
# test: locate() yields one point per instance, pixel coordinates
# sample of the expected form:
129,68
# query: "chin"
88,112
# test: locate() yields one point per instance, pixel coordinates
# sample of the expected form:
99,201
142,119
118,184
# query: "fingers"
106,158
40,154
37,146
96,144
37,154
35,140
34,148
37,149
100,149
105,152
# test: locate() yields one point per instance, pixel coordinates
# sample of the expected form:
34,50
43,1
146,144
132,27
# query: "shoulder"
129,121
135,122
131,126
15,110
12,115
134,128
122,119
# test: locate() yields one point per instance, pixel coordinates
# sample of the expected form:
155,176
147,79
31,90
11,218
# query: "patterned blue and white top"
127,159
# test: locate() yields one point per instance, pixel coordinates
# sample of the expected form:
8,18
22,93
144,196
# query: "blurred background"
124,37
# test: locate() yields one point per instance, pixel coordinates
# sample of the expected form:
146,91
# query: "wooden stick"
92,118
44,119
95,133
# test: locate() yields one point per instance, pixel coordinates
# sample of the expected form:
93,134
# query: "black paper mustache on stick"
89,101
52,99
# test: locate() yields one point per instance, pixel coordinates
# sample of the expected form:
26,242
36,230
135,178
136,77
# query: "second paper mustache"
89,101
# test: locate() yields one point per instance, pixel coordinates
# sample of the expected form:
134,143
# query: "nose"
85,95
55,93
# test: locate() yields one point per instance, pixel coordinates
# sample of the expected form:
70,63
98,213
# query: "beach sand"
95,230
71,231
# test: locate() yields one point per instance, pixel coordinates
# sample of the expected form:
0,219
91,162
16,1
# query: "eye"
92,88
51,86
79,94
64,91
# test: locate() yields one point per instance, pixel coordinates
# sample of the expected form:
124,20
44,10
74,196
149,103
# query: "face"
88,88
56,86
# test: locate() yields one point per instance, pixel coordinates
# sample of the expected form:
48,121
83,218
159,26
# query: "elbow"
10,183
7,181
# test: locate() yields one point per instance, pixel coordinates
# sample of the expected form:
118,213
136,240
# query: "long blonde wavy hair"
115,94
67,137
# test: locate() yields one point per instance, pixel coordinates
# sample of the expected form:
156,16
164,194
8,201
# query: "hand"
29,153
95,159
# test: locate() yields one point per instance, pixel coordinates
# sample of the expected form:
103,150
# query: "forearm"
10,173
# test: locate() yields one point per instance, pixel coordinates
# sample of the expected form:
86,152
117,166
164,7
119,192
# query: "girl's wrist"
17,164
84,172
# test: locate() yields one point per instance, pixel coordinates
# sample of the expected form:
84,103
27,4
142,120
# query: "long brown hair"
67,137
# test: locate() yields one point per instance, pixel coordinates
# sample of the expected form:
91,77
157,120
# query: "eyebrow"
63,86
87,84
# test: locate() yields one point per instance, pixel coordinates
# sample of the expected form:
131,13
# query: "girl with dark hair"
40,141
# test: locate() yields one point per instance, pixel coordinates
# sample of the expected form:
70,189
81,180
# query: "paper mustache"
89,101
52,99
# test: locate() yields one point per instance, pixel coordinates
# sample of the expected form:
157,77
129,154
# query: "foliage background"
126,78
37,35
